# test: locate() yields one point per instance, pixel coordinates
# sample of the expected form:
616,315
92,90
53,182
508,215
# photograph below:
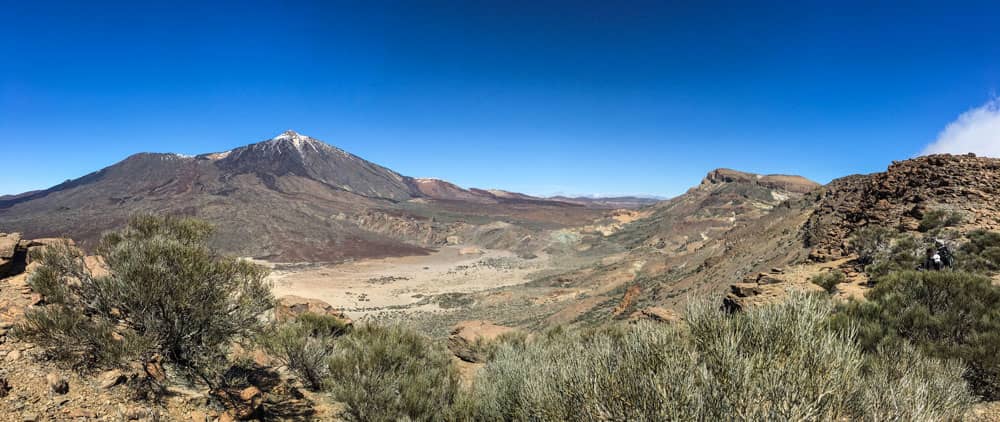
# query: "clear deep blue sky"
582,97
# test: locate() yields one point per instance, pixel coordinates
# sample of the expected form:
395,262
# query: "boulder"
8,249
135,413
43,242
656,314
81,413
470,251
110,379
250,393
289,307
199,416
743,296
8,244
96,266
57,383
244,404
466,334
154,369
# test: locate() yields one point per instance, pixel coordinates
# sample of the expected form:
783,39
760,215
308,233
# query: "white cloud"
976,130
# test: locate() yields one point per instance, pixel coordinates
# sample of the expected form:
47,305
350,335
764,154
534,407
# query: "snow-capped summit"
291,135
296,140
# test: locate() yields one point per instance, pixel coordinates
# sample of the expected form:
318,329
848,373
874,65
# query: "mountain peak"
791,183
290,134
294,138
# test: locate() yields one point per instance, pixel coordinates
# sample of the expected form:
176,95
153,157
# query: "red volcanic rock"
467,335
899,197
290,307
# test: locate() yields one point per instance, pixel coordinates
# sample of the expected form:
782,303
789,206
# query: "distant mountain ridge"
291,153
288,197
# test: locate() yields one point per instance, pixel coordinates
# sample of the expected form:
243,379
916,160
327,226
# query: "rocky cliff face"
900,197
781,182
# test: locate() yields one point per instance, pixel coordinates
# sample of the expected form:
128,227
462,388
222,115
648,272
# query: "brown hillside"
900,197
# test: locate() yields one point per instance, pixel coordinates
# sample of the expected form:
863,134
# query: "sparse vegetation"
981,253
724,368
870,242
906,252
938,219
304,345
829,280
387,373
486,350
167,295
950,315
453,300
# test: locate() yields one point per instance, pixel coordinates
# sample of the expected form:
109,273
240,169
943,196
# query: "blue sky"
544,97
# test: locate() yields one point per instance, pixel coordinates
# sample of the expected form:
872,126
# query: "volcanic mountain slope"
750,232
288,198
898,198
729,226
725,199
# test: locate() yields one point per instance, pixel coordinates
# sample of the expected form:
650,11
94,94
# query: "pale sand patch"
374,285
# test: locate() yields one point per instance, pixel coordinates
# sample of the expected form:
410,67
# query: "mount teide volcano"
288,198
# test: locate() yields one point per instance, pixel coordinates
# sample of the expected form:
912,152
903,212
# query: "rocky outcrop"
290,307
10,248
764,289
655,314
796,184
468,337
899,197
416,230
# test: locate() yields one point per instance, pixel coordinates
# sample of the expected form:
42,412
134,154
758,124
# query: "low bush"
906,252
938,219
390,373
950,315
167,296
870,242
305,345
485,350
829,280
981,253
780,362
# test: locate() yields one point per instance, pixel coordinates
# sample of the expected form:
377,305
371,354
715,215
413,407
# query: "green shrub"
981,253
829,280
905,253
304,345
903,384
777,362
870,242
390,373
487,349
618,373
780,362
168,294
950,315
937,219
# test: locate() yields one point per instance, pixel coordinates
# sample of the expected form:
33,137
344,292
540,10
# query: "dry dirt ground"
424,283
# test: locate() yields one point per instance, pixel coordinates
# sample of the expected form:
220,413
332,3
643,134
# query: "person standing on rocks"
947,258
